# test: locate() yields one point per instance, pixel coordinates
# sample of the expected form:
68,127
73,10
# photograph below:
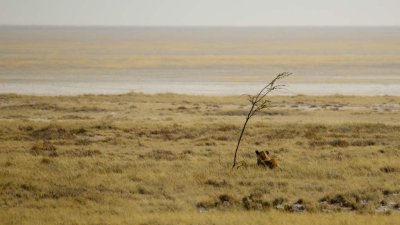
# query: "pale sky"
201,12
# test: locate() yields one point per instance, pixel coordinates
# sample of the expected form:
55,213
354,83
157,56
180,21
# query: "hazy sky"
201,12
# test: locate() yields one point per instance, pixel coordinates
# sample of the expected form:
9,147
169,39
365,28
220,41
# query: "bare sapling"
258,103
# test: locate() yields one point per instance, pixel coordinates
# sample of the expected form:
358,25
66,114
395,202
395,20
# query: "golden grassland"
165,159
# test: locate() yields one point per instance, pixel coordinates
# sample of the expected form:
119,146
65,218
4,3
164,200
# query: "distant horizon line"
204,26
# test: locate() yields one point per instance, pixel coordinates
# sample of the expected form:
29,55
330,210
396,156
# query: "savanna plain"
166,159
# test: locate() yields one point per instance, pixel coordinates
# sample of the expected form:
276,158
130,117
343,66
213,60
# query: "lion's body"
272,163
263,159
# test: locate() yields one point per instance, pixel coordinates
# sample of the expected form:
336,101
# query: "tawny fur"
263,159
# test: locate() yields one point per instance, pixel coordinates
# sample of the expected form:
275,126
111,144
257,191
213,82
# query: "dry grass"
165,159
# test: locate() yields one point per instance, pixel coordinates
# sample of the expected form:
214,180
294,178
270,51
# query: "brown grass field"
166,159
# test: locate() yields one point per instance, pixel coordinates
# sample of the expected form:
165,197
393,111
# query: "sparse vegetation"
157,164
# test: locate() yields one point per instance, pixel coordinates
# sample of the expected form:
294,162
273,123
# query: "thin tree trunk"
240,137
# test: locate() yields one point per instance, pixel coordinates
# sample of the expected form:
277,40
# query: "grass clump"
44,148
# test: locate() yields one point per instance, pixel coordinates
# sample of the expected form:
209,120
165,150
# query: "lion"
263,159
